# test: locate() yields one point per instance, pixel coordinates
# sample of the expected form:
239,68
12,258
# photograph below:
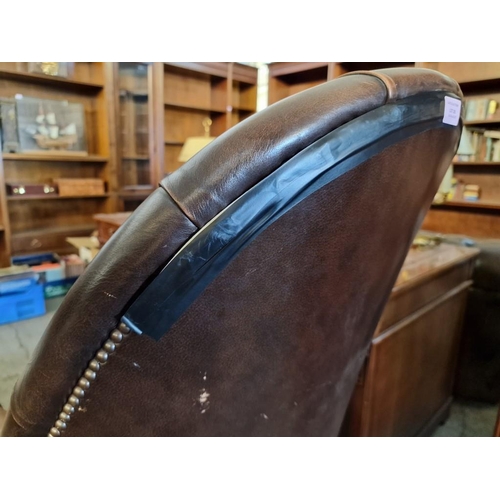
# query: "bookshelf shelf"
68,83
136,194
55,157
64,230
480,204
209,109
476,163
54,197
485,123
135,158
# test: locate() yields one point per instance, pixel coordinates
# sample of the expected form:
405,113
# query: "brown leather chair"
240,298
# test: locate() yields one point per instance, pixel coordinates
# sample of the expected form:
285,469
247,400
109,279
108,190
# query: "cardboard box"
88,246
55,275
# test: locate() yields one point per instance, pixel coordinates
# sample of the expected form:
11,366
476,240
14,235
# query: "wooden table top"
423,263
117,218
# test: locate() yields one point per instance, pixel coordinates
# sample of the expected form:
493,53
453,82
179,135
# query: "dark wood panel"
243,73
403,304
471,222
286,68
411,368
405,387
54,213
48,240
464,72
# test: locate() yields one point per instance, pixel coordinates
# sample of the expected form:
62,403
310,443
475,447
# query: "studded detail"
78,392
109,346
89,375
102,356
117,336
64,417
68,409
94,365
60,425
74,401
124,328
84,383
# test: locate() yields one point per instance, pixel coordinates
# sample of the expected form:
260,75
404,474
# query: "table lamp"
195,144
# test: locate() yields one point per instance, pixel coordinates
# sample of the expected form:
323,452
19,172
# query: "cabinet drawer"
410,300
46,242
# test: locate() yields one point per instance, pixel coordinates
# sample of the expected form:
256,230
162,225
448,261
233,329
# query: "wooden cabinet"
132,110
36,223
481,218
405,388
137,117
288,78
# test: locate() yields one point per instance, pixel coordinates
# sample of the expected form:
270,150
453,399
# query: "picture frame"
51,126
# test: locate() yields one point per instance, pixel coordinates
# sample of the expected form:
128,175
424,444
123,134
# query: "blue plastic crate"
21,299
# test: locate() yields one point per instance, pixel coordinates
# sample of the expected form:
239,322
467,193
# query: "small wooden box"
80,187
19,189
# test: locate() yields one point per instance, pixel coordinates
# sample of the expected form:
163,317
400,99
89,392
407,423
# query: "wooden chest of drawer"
405,388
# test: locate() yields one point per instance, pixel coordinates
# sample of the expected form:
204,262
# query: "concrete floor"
18,341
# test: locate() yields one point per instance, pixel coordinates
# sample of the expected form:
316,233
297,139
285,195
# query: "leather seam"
388,82
178,205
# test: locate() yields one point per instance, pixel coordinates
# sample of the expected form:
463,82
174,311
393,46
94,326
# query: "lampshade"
195,144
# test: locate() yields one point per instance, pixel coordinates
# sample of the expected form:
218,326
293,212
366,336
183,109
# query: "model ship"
50,134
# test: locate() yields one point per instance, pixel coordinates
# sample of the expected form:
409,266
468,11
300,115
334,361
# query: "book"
470,110
492,109
489,149
471,192
496,152
481,109
495,134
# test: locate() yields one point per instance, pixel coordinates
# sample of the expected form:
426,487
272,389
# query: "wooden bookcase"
479,218
137,117
187,93
41,223
132,115
288,78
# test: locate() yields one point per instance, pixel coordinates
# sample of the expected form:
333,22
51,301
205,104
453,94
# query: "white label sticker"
452,108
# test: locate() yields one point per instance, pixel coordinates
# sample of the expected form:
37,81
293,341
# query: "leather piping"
389,83
179,206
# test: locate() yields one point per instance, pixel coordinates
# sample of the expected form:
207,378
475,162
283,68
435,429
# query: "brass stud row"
89,375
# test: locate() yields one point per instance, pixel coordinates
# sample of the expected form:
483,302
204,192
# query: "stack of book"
483,145
471,192
481,109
